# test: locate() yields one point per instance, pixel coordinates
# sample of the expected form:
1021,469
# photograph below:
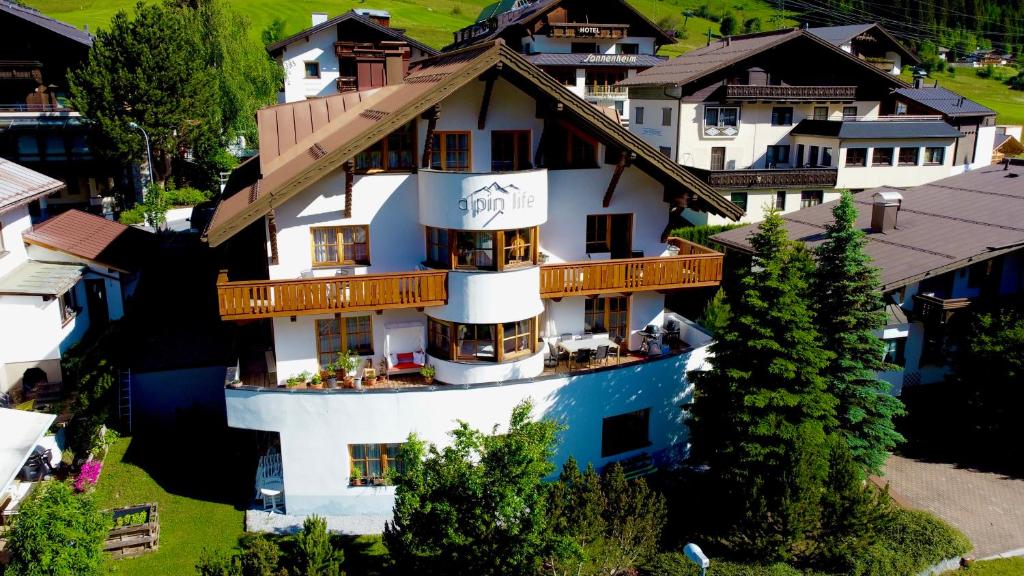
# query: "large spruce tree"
850,312
760,415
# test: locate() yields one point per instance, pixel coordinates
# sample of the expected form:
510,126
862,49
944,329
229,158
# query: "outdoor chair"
601,355
619,343
554,356
583,356
565,337
672,334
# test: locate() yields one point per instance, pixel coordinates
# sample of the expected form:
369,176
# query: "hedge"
702,234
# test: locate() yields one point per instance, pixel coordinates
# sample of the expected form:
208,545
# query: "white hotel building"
478,218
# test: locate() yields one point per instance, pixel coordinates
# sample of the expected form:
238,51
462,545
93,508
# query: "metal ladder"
124,398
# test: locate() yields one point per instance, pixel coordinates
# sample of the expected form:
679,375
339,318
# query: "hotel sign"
610,59
588,31
493,200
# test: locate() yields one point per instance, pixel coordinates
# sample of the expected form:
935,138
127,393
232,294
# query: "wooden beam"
485,104
624,162
349,183
272,232
432,116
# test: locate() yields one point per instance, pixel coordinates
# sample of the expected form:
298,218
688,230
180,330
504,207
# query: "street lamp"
149,155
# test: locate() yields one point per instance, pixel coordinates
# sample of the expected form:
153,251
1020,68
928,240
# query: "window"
826,156
780,201
934,156
666,150
810,198
976,273
475,250
666,116
55,149
782,116
856,156
438,248
721,117
28,148
718,158
895,351
439,338
901,108
475,343
374,461
68,306
511,150
396,152
638,115
336,335
451,152
909,156
813,160
606,314
821,112
338,245
881,157
569,148
609,233
80,147
566,76
739,199
625,432
584,48
777,155
849,112
312,69
628,48
518,247
800,156
517,338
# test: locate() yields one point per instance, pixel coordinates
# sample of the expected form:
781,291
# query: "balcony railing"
276,298
773,178
607,92
347,83
587,30
695,266
791,93
935,310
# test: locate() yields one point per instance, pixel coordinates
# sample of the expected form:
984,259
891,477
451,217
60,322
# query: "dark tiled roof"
945,102
302,142
350,15
580,60
840,34
35,17
93,238
882,129
941,226
19,185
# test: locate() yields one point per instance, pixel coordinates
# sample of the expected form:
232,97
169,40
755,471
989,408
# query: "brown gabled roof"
20,185
717,56
839,35
394,33
92,238
291,162
942,226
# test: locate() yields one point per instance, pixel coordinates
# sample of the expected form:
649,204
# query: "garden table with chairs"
589,350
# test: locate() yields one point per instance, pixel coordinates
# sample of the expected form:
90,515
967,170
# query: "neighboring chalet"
57,279
870,43
479,219
976,123
37,128
587,46
357,50
784,119
941,249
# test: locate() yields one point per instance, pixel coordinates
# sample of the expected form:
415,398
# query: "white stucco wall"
112,279
548,45
489,201
491,297
317,427
869,176
13,224
320,48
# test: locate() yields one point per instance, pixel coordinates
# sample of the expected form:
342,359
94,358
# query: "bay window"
481,250
493,343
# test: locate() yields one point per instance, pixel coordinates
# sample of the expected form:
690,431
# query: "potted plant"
330,375
370,375
296,381
355,479
428,373
383,368
316,382
306,377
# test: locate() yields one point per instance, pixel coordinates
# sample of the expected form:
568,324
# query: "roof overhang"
275,48
45,279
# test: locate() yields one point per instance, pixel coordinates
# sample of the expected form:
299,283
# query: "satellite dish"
696,555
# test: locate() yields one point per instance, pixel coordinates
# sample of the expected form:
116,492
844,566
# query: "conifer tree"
849,311
760,414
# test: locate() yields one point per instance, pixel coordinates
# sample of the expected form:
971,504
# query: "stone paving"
987,507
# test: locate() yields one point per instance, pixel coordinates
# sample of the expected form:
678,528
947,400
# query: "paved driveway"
988,508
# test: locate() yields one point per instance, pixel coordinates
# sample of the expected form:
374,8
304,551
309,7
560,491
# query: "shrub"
57,533
186,197
910,542
132,216
316,557
702,234
728,25
716,313
676,564
752,25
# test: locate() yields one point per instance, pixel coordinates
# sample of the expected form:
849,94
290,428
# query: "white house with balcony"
587,46
784,119
481,220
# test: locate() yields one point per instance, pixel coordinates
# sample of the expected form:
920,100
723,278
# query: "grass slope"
192,516
430,21
1009,104
1001,567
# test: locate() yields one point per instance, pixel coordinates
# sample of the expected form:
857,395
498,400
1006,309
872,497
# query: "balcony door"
718,158
610,233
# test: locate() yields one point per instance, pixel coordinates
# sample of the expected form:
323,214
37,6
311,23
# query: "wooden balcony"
336,294
693,267
934,310
587,30
755,93
773,178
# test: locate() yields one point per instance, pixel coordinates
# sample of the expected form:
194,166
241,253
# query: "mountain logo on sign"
495,198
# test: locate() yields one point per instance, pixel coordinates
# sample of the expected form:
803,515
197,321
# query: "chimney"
396,61
379,17
918,82
319,18
884,211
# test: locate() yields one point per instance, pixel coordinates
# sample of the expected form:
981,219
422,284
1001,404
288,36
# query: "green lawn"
1002,567
1009,104
194,513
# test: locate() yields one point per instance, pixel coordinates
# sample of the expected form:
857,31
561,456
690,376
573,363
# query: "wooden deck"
277,298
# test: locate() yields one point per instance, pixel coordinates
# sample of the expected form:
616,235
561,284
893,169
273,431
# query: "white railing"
607,91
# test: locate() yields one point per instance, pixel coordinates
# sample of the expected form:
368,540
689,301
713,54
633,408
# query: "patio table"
573,346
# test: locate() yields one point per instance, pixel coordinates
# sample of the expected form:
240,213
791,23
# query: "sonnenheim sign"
610,59
496,201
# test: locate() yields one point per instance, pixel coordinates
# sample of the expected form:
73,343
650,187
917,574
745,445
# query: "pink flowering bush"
88,475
